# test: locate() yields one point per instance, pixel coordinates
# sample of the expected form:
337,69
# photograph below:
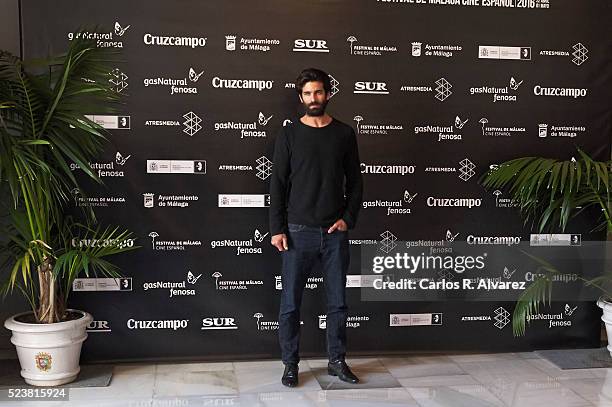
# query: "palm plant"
43,129
548,194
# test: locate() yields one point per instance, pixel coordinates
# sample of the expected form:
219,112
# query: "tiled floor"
508,379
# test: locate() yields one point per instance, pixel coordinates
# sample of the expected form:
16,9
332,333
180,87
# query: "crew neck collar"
317,128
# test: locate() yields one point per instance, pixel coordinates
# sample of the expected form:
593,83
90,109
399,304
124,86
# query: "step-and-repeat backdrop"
438,92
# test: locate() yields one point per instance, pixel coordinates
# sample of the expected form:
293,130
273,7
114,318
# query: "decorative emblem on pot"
43,361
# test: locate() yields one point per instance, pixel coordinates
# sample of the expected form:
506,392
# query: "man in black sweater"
316,192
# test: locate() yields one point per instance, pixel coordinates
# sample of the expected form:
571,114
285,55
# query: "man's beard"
319,110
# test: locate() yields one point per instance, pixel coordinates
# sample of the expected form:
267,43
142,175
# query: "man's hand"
280,242
340,225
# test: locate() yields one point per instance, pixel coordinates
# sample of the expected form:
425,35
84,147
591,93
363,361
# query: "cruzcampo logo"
43,361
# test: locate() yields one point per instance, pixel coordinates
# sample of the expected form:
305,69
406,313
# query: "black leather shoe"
290,376
339,368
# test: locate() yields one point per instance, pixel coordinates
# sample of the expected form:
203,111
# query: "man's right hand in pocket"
280,242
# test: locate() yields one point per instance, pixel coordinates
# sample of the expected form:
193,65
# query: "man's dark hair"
312,75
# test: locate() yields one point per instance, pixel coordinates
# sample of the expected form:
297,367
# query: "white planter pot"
606,306
49,353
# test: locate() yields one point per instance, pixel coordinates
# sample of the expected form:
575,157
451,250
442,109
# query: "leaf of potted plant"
549,193
44,128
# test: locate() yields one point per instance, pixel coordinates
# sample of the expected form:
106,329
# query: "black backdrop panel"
446,86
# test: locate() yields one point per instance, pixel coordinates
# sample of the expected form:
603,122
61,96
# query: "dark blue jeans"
307,245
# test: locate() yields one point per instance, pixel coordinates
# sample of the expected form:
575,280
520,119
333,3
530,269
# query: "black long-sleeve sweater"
308,184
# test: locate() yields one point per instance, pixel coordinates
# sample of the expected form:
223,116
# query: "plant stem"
52,317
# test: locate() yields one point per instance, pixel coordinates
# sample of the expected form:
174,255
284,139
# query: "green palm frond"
44,115
528,303
537,293
43,129
549,192
85,250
